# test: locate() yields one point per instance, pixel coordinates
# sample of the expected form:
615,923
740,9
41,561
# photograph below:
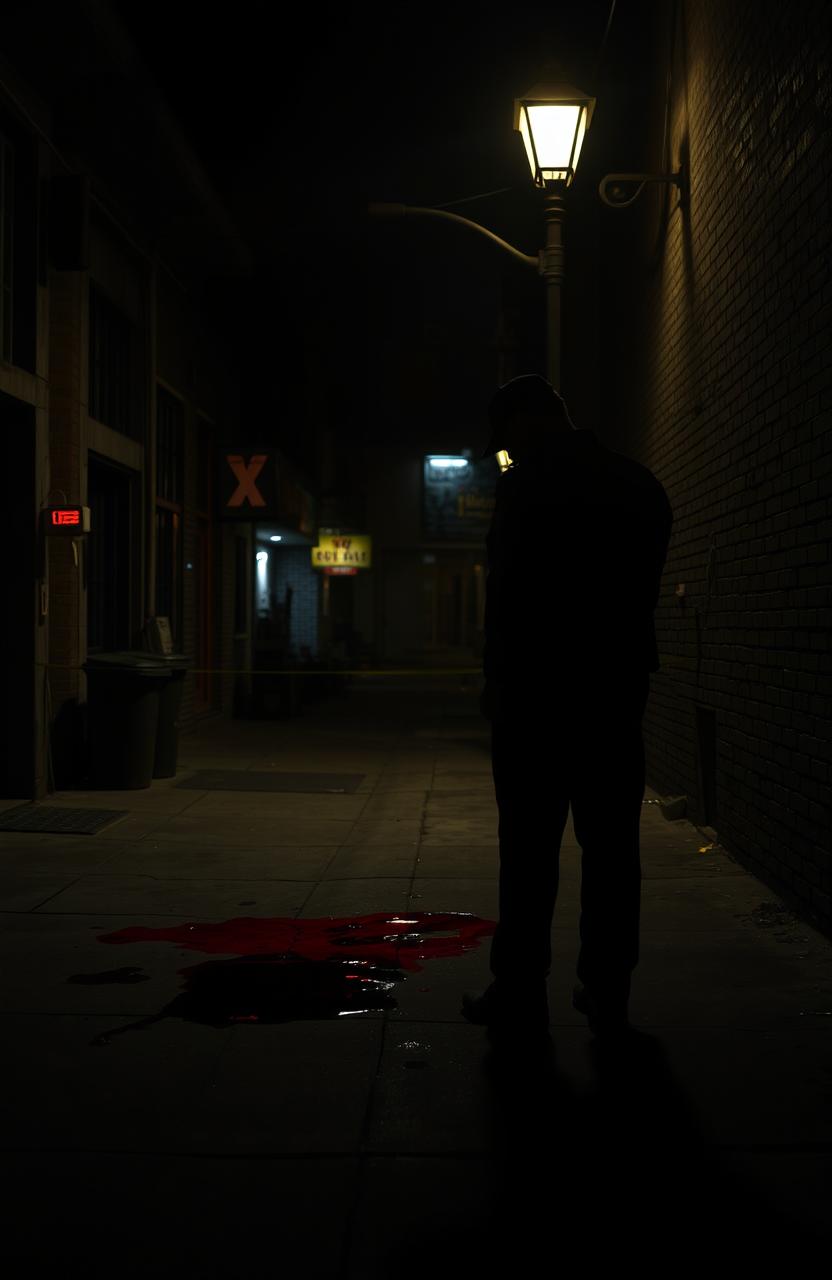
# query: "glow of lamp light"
552,120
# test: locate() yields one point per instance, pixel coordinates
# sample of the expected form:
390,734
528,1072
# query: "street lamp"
552,120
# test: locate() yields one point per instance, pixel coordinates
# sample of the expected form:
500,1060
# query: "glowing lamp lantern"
552,120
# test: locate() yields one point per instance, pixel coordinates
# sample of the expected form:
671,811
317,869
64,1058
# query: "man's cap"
529,393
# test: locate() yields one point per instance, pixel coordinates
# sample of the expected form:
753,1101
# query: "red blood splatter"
387,939
283,969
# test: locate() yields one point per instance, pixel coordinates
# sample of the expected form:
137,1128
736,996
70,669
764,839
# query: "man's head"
524,414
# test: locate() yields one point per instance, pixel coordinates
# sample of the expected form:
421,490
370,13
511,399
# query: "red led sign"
70,522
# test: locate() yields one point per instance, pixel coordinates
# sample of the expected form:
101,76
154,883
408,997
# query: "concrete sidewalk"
392,1142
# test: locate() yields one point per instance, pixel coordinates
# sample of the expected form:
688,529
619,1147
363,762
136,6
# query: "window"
109,554
20,222
6,246
170,432
109,393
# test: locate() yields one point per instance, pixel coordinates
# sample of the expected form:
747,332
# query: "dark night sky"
392,103
411,103
299,126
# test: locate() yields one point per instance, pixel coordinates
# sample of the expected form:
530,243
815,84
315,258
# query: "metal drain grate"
248,780
79,822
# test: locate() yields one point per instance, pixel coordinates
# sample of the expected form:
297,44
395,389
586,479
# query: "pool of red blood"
277,969
401,939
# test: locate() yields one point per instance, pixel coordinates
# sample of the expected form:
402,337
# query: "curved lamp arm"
678,179
400,210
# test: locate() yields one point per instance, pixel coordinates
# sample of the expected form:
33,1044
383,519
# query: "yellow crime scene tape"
294,671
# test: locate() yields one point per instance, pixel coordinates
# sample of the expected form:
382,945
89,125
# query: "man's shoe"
507,1007
607,1017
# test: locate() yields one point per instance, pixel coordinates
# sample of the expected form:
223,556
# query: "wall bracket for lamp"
617,182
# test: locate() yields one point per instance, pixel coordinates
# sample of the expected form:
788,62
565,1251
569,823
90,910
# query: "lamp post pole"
552,119
551,268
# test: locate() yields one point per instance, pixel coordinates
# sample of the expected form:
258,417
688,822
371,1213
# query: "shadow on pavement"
619,1175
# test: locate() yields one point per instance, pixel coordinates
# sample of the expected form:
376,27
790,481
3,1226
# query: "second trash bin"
123,695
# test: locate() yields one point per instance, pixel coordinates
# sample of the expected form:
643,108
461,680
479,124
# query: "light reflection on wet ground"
280,969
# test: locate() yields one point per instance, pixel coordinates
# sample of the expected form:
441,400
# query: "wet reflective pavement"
233,1039
287,969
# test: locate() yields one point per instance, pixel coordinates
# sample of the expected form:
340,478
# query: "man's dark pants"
582,746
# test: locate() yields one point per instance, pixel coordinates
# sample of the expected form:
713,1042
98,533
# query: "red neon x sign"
246,474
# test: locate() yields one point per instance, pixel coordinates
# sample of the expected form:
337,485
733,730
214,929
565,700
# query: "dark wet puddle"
282,969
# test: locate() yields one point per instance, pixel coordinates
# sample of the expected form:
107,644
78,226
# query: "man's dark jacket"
576,550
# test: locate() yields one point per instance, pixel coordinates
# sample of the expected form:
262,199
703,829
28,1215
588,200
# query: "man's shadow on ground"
619,1174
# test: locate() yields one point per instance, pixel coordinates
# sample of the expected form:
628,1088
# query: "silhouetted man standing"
575,556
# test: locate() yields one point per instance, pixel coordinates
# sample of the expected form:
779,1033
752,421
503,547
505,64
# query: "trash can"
123,692
170,700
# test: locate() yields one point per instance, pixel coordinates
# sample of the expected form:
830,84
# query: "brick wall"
729,388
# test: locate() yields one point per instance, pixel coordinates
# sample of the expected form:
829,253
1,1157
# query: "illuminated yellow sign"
349,550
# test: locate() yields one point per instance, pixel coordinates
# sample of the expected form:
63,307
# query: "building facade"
121,391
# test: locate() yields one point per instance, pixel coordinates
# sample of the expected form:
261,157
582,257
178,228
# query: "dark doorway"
207,638
17,647
345,638
111,551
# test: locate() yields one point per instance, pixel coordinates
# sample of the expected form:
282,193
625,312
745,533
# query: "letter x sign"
246,473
